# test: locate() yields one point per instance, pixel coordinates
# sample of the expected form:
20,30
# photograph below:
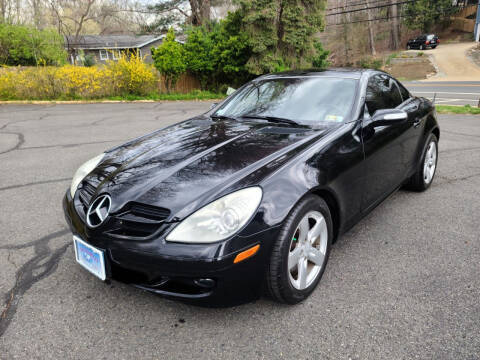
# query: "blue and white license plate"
89,257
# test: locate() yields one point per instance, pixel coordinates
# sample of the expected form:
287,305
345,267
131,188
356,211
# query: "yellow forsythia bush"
127,76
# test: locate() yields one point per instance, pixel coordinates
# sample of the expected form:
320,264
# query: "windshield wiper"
271,118
223,117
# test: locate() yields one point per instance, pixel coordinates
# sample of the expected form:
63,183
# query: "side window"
382,93
374,97
395,93
403,91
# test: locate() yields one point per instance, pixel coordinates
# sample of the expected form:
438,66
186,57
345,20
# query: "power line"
372,7
354,4
442,12
366,20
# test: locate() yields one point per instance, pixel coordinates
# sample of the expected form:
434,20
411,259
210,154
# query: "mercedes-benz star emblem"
98,211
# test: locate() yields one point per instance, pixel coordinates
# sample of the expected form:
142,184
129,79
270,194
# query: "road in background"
448,93
403,283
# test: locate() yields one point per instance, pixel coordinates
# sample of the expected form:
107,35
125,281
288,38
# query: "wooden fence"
185,84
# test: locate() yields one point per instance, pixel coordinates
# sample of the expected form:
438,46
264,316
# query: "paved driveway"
404,283
453,63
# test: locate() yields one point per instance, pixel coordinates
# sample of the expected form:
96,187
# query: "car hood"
175,167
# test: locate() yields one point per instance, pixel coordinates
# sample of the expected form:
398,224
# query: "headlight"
83,171
219,219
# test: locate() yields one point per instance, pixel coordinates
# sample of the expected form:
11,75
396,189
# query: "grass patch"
194,95
451,109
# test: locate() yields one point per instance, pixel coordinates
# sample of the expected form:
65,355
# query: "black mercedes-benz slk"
250,195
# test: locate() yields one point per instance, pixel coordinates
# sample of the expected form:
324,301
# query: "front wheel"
425,173
301,252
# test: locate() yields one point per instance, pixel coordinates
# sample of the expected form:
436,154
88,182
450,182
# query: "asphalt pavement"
404,283
447,93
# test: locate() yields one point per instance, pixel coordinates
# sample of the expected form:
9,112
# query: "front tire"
423,177
301,252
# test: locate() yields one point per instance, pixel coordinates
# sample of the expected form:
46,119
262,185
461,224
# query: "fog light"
204,283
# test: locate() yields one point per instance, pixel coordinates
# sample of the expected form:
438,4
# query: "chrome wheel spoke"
302,273
316,256
294,257
304,228
318,230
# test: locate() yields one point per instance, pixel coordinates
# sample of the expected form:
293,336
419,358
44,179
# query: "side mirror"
387,117
213,106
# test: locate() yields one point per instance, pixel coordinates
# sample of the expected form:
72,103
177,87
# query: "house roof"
110,41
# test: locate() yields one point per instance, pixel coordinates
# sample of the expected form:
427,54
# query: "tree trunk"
200,11
36,13
370,30
3,11
395,28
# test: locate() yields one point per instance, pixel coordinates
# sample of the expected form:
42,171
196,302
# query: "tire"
434,47
295,245
421,180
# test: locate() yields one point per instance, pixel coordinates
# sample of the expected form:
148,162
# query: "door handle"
417,122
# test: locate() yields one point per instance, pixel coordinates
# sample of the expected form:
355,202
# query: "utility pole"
395,30
477,24
370,29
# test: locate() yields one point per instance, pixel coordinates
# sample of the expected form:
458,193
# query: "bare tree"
370,29
200,11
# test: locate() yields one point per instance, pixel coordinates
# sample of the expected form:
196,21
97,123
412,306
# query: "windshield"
305,100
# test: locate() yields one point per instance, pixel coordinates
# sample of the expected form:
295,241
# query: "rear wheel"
423,178
434,46
301,252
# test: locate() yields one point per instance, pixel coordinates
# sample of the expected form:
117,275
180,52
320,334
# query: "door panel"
386,148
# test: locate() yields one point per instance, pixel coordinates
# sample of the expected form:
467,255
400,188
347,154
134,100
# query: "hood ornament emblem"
98,211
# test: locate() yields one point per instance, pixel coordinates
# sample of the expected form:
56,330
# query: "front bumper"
201,273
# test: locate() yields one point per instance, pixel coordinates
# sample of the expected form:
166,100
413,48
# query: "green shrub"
25,45
88,60
169,60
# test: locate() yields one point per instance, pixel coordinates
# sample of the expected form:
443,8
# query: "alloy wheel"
430,163
307,250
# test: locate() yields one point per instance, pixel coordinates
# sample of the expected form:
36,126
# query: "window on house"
116,54
103,54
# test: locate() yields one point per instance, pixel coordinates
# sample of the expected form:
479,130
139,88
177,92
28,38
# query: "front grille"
85,193
84,196
138,221
134,221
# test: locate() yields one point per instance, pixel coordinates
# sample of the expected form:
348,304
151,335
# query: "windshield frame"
348,117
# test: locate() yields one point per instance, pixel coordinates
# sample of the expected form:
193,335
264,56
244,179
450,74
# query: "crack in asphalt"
460,134
43,263
16,186
449,151
68,145
451,181
21,140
